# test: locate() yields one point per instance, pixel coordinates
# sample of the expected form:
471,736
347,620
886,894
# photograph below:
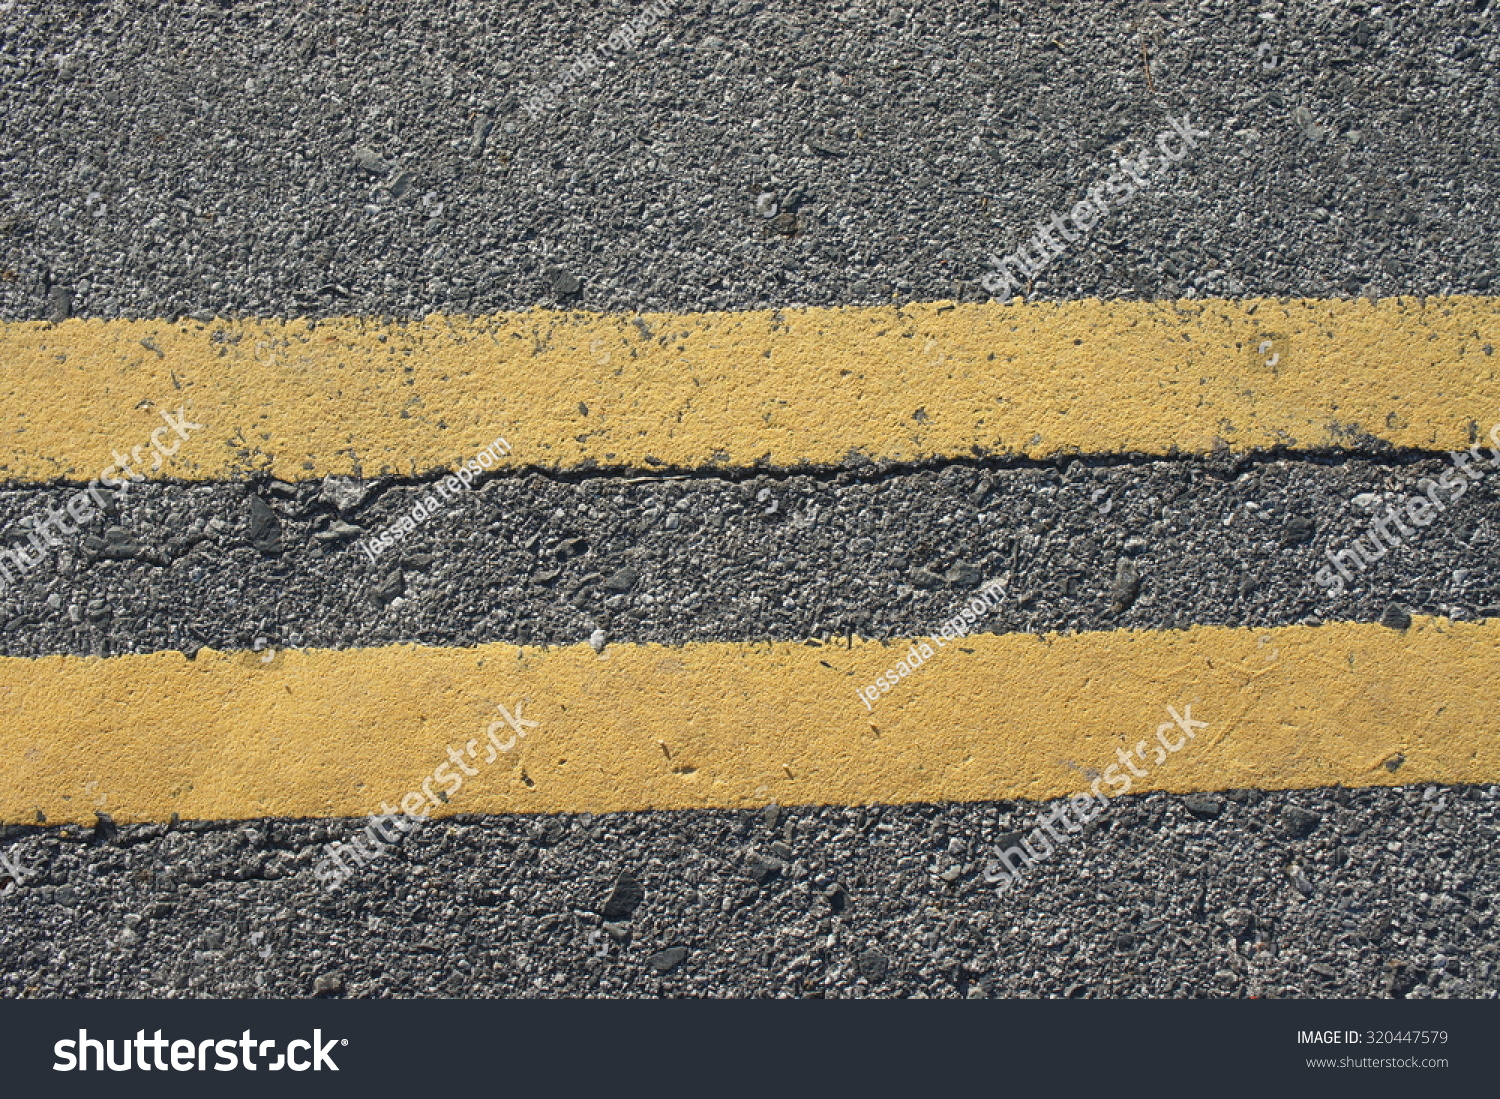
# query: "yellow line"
1017,716
303,399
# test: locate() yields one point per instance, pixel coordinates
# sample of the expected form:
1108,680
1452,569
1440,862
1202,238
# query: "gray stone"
765,868
670,958
625,896
963,575
621,581
1396,617
562,282
369,160
1127,585
390,588
59,304
1299,822
873,965
343,493
264,528
338,531
1299,529
1202,806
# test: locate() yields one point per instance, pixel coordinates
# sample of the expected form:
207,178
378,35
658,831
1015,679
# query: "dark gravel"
316,159
541,560
1321,893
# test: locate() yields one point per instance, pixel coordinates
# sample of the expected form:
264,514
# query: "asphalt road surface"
216,170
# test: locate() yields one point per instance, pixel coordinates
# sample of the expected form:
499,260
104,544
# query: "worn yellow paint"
1017,716
301,399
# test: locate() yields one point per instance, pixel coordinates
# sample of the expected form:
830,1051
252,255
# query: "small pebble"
1396,617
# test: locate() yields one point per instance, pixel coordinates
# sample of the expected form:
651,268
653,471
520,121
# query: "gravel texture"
373,158
542,560
1320,893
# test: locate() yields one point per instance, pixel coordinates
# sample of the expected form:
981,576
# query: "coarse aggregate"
291,159
541,560
1320,893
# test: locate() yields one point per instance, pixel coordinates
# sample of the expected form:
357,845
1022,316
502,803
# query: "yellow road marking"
303,399
334,733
